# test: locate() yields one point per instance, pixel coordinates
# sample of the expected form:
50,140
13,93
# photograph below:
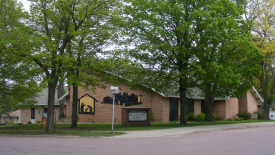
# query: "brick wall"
26,114
243,103
197,107
232,108
251,103
219,109
103,111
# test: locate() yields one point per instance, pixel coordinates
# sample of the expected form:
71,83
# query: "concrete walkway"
187,130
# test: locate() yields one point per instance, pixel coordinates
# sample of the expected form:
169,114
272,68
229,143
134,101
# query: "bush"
214,117
245,115
191,117
260,115
29,123
61,115
229,119
238,119
200,117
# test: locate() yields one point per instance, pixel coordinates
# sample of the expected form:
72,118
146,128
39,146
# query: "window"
45,110
190,105
203,107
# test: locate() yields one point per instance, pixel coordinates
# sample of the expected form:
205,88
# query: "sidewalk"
187,130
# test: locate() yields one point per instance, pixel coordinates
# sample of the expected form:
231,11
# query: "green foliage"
229,119
244,115
191,117
200,117
260,115
261,11
238,119
178,40
61,115
214,117
19,76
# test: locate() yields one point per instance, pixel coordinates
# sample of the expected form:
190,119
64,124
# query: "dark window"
32,113
190,105
45,109
173,109
203,107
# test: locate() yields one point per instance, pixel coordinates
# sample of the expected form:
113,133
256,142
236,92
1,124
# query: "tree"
60,93
83,63
18,77
227,60
263,30
175,38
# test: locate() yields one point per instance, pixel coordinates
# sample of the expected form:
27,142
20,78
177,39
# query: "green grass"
102,130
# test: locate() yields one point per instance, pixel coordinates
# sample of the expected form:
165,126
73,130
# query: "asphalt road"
246,141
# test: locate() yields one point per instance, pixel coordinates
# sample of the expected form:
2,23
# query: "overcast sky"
26,4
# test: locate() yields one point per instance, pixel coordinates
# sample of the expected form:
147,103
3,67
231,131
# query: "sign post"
113,90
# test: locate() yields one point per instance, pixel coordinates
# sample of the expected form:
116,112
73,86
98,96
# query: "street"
248,141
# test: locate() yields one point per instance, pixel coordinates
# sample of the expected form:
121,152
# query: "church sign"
137,115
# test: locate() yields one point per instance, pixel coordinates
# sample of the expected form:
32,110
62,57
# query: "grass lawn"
102,130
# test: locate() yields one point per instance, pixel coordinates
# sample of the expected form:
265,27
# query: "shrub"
200,117
29,123
9,123
61,114
214,117
260,115
38,121
229,119
191,117
238,119
245,115
218,119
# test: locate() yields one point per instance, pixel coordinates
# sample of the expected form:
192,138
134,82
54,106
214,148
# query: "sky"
26,4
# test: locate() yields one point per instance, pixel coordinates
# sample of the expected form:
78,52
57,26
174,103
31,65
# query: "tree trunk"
209,100
60,94
266,109
0,119
183,105
75,98
50,113
74,107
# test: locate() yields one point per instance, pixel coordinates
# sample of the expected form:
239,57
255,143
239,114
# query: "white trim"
19,120
62,97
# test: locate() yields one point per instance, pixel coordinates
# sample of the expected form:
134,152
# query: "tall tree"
18,77
83,62
263,30
51,26
227,59
178,38
162,36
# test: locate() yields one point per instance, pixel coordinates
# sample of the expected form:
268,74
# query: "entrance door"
173,109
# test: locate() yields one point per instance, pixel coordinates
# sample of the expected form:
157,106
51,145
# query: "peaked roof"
43,97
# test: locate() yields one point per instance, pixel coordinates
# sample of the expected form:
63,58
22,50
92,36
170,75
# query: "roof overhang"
63,98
